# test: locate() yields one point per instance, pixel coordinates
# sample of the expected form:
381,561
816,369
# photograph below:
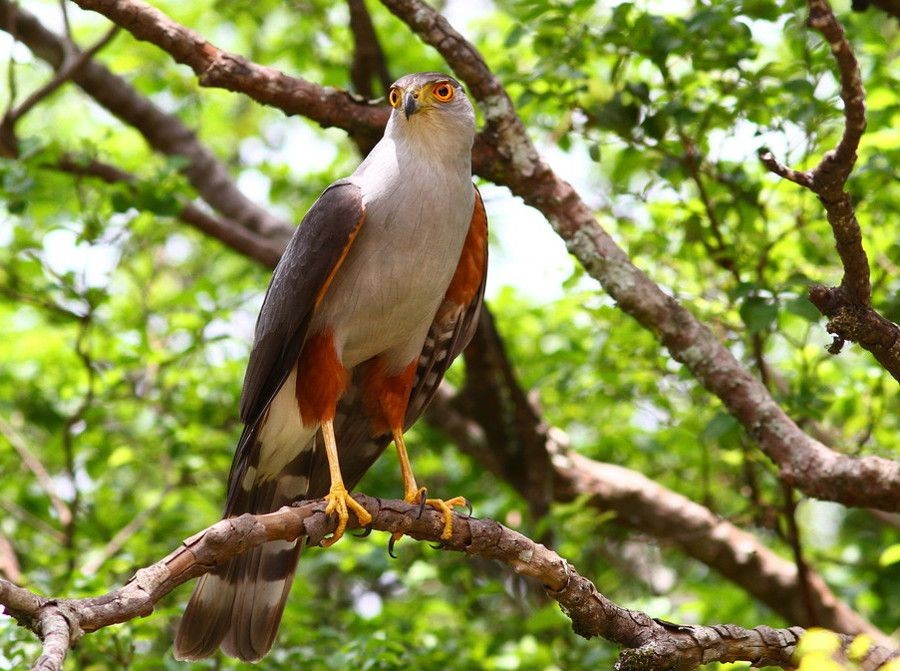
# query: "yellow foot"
445,507
340,502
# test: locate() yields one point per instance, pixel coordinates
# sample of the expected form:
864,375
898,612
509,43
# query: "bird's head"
430,104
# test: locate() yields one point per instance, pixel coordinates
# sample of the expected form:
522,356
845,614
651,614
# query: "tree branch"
652,644
69,66
33,464
368,57
848,306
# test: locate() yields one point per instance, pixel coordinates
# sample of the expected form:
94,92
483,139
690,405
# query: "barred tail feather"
261,581
239,605
206,618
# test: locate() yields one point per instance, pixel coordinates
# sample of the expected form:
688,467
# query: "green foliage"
123,333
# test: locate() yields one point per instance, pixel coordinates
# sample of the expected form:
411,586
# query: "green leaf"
758,313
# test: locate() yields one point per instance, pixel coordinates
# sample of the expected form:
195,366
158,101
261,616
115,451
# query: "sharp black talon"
422,503
438,546
365,532
469,509
391,547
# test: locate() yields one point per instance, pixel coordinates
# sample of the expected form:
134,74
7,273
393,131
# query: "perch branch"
650,643
849,305
643,505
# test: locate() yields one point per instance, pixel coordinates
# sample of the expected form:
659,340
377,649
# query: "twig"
652,644
69,67
848,306
33,464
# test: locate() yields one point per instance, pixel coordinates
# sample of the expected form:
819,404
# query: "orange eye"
394,97
442,92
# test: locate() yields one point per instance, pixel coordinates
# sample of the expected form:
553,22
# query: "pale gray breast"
398,269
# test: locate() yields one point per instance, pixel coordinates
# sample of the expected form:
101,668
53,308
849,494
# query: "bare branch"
53,628
848,306
217,68
652,644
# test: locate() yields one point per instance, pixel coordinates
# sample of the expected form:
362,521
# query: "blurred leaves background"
123,333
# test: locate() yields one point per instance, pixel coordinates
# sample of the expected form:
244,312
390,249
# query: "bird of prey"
377,292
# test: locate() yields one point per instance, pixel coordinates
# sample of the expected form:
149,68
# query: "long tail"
239,605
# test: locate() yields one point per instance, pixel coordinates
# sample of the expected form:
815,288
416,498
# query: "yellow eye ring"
394,97
443,92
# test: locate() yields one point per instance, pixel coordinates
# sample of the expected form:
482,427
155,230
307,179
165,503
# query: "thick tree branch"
848,306
652,644
217,68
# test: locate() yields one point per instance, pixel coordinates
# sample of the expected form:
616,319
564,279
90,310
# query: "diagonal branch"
651,644
33,464
239,237
368,57
848,306
217,68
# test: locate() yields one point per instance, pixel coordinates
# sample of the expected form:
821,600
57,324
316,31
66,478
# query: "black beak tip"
410,105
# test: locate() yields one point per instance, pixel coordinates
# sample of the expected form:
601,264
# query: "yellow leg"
339,499
413,494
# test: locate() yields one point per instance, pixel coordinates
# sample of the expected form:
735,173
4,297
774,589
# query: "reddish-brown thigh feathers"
321,379
386,396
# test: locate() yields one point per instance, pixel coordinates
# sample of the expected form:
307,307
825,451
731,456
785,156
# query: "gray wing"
307,265
304,272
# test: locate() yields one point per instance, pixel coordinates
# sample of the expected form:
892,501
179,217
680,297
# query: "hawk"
377,292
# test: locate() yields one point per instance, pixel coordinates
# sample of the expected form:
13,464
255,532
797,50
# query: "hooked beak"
410,104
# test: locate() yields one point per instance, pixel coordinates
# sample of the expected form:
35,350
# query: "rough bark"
651,644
